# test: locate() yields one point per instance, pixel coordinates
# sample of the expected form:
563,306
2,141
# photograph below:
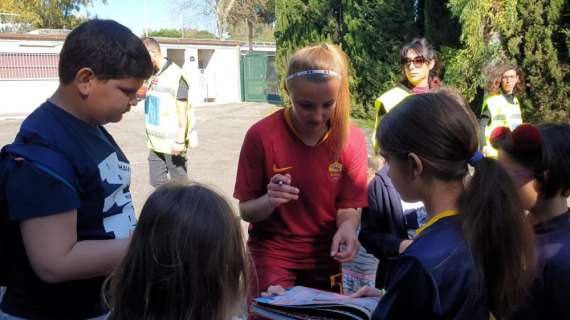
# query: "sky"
160,14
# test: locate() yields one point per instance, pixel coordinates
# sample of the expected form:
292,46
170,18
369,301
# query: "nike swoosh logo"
280,170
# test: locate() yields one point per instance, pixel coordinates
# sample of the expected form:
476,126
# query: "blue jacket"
548,297
433,278
383,224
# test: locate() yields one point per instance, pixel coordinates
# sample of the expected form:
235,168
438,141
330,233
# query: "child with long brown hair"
186,259
302,175
475,254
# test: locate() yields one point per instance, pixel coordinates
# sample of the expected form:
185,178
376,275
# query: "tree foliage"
261,32
300,23
47,14
250,13
371,32
229,13
471,36
437,24
177,33
484,25
537,52
522,32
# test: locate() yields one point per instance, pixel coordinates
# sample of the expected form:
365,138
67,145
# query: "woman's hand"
345,242
275,290
366,291
280,191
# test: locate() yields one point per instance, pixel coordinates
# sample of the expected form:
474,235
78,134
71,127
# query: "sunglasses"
417,61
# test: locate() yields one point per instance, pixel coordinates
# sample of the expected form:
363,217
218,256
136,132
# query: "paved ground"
221,129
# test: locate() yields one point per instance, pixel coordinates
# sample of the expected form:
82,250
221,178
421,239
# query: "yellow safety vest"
161,111
388,100
503,114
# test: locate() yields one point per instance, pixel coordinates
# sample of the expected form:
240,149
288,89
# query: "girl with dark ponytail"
475,254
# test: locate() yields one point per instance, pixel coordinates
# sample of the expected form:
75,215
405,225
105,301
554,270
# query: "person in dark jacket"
385,224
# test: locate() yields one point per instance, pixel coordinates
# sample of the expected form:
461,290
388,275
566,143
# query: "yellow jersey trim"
436,218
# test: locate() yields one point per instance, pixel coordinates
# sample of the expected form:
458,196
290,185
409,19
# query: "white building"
28,68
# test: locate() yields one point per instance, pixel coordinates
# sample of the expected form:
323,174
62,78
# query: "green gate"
259,78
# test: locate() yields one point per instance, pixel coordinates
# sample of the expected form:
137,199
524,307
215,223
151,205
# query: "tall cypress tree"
375,32
440,27
537,53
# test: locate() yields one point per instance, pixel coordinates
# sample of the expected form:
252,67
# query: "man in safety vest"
169,119
501,108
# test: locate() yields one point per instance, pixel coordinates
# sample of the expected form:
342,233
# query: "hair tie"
477,156
322,73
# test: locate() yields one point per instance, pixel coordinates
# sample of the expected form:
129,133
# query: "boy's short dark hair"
556,158
110,49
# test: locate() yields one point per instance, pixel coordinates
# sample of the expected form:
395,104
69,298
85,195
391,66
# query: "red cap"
527,138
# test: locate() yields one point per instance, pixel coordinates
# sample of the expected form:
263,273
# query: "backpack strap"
45,159
42,158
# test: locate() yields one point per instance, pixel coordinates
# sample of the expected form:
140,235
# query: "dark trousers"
164,167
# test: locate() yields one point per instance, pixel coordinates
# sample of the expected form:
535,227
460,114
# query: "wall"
23,96
225,64
30,46
219,80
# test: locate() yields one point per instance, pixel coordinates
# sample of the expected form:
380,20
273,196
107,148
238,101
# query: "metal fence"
28,66
259,81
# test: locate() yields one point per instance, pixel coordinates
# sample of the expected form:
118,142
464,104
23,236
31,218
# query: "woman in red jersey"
302,176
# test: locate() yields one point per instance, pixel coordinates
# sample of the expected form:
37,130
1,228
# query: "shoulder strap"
45,159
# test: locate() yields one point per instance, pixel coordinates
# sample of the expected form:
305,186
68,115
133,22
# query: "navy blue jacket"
433,278
549,295
383,224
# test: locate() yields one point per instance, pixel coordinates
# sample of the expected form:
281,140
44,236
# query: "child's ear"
83,80
416,164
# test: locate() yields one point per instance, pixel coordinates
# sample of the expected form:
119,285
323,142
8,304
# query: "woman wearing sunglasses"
420,73
388,223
